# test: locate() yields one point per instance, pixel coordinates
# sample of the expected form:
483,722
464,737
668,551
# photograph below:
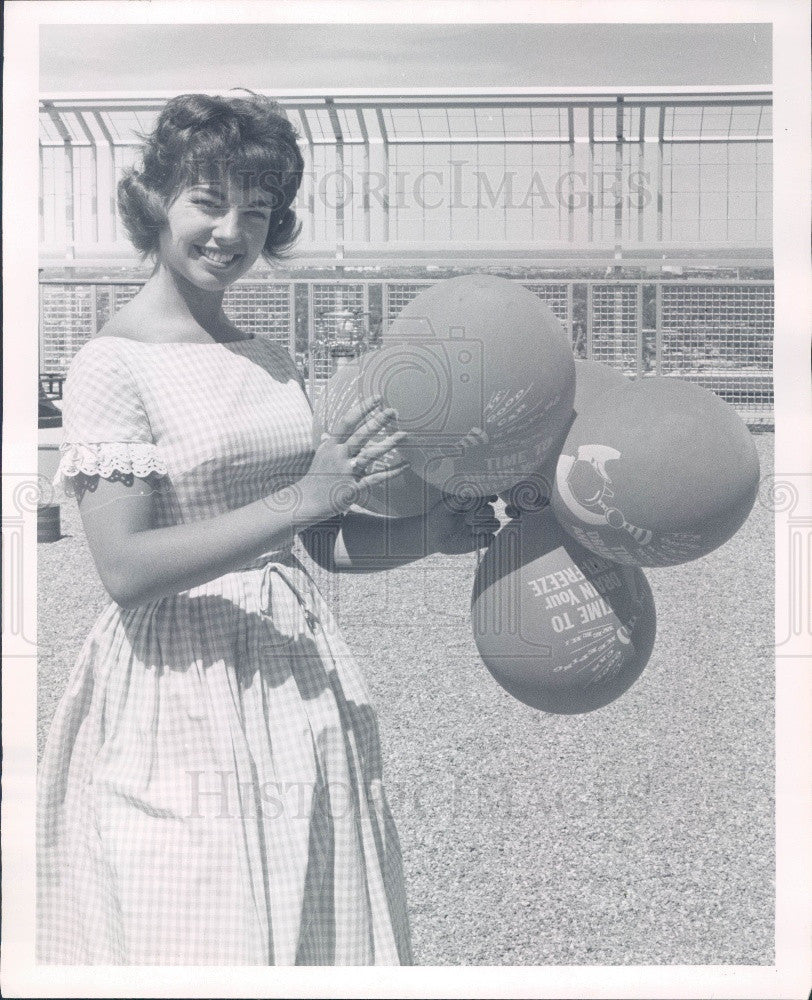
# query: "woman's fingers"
384,447
475,438
355,416
368,428
379,477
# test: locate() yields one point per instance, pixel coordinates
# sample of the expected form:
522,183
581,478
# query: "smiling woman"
211,790
207,146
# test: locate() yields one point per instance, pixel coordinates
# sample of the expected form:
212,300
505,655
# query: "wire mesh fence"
614,325
398,294
715,333
720,336
266,309
65,323
337,313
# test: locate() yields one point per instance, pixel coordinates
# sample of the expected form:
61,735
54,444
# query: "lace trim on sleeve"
109,459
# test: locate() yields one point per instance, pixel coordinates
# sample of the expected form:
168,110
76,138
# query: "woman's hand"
453,531
360,453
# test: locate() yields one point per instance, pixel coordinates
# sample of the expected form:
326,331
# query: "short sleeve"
105,428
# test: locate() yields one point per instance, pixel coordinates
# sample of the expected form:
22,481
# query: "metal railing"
716,333
469,176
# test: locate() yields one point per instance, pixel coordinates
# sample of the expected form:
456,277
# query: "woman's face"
214,233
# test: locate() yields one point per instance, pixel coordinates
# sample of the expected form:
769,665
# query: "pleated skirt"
211,791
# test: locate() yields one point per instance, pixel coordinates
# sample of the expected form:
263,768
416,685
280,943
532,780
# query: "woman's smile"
219,258
214,234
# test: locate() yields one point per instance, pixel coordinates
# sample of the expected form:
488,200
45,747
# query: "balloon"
532,492
401,496
560,628
654,473
592,379
482,376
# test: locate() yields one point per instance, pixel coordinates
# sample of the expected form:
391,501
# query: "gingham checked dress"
211,792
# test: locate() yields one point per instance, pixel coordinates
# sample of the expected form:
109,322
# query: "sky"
142,58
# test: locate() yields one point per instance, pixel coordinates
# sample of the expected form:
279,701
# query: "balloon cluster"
600,475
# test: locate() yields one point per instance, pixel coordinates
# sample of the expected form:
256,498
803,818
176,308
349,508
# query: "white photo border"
790,977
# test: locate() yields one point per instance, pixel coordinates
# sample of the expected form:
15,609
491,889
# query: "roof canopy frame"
599,118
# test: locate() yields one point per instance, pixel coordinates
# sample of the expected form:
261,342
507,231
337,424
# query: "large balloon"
656,472
560,628
476,354
532,492
401,496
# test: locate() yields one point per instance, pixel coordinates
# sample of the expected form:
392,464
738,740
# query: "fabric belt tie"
285,566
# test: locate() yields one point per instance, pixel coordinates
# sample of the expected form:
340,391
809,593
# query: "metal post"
292,319
365,308
727,190
94,309
385,199
94,191
570,324
571,206
638,318
755,193
41,327
340,186
660,146
108,138
589,330
64,135
94,176
310,196
504,174
641,163
70,224
41,200
658,329
362,125
617,322
619,171
591,176
311,340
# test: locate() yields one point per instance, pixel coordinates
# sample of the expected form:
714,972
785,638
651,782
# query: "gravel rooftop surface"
639,834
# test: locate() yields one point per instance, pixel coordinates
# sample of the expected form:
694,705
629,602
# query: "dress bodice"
216,425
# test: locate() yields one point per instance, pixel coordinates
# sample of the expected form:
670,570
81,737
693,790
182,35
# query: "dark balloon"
482,376
655,472
560,628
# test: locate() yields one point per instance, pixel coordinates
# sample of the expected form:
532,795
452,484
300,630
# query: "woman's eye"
205,202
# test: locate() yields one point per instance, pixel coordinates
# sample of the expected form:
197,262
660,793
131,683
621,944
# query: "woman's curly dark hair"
246,139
